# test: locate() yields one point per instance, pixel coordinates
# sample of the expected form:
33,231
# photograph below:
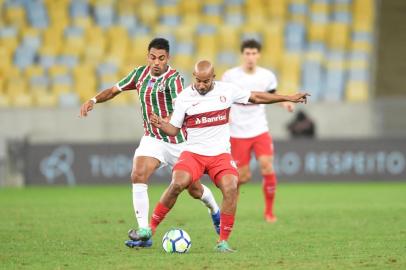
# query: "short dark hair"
159,44
251,44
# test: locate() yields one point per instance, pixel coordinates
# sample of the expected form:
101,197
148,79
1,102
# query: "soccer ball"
176,241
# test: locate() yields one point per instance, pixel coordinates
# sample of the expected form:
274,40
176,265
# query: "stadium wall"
351,122
295,160
114,124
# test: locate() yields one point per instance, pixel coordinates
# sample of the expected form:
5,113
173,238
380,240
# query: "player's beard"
202,92
205,92
156,71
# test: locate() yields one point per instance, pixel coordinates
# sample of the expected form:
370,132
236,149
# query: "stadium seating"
60,53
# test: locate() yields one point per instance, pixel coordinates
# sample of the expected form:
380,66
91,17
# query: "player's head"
158,56
250,50
204,77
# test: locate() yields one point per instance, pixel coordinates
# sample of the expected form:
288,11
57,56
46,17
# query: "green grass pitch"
320,226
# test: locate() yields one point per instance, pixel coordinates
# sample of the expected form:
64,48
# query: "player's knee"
230,187
176,187
180,181
195,191
138,176
266,167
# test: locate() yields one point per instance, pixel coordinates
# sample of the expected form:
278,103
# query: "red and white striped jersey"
249,120
206,117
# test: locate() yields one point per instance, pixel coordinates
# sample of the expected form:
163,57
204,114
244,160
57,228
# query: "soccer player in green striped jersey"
157,85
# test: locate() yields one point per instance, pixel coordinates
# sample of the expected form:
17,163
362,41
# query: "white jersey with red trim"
206,117
249,120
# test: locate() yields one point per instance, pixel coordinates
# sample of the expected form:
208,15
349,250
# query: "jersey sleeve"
273,82
176,86
178,115
239,95
128,82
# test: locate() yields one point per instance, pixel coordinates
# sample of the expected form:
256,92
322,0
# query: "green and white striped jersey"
156,94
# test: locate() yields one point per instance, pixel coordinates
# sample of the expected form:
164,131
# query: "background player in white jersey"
157,85
204,109
248,124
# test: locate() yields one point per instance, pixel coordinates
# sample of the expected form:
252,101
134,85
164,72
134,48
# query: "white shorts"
166,153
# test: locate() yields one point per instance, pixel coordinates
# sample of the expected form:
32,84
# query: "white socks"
141,204
208,199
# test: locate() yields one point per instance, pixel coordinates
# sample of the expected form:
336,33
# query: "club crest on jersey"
161,87
223,99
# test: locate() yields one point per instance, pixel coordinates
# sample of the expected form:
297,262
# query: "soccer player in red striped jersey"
249,135
157,85
203,109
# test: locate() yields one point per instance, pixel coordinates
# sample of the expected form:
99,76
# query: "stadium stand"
59,53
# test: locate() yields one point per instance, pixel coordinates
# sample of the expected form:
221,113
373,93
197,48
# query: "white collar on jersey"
249,73
163,74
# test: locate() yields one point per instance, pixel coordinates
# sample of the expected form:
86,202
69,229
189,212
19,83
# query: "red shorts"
215,166
241,148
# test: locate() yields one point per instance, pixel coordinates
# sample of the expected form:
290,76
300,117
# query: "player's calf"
268,186
143,167
228,185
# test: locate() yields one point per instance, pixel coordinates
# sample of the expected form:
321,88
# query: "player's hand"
166,119
299,98
289,106
155,120
86,107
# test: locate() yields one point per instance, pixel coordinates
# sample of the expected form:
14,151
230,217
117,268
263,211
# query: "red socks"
158,215
269,187
226,220
226,225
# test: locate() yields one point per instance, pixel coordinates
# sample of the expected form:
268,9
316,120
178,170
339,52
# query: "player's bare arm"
163,125
99,98
268,98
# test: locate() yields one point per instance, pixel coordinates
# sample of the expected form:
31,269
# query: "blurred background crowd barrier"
111,163
349,54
